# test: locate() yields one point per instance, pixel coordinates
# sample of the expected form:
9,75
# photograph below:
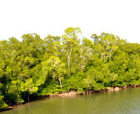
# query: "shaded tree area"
55,64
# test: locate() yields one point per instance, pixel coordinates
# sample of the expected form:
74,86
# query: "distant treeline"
37,67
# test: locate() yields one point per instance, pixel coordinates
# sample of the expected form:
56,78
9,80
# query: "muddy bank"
109,89
5,109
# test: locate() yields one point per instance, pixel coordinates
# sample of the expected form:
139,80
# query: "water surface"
121,102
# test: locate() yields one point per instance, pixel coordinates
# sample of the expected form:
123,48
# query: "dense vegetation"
35,66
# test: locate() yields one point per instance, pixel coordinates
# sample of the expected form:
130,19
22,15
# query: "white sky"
120,17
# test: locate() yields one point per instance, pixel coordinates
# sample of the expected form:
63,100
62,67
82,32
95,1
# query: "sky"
119,17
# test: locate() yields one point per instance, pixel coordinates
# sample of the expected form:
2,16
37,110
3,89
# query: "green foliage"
57,64
2,103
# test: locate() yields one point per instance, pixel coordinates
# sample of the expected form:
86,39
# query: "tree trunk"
60,82
68,57
28,96
68,61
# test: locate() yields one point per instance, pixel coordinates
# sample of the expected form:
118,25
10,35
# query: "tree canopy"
55,64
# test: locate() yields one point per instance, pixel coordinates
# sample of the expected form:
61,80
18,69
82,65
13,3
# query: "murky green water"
121,102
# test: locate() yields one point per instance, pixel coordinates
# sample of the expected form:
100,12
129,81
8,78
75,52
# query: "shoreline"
73,93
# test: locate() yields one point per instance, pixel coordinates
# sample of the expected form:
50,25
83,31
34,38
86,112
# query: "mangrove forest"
35,66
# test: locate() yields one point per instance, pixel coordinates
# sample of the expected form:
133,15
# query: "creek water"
120,102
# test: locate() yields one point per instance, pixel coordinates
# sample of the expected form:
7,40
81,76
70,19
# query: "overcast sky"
120,17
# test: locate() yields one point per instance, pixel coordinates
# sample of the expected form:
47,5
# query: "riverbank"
5,109
74,93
